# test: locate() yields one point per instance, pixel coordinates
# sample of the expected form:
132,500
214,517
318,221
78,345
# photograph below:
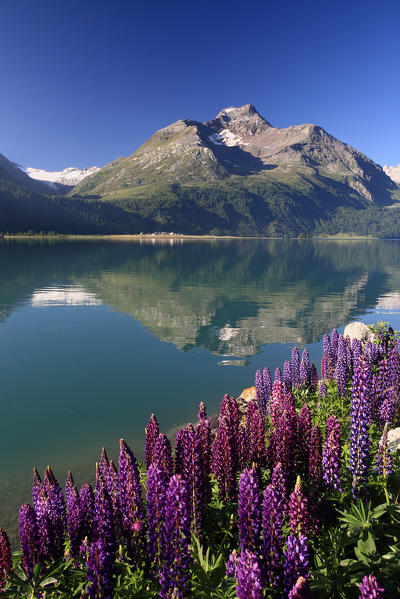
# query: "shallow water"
94,336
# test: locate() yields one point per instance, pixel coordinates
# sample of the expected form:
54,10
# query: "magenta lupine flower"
278,375
162,454
242,446
324,368
100,570
249,513
203,432
5,558
341,376
272,543
304,424
29,537
130,500
315,456
370,589
287,375
295,367
299,512
157,484
301,589
179,451
278,395
360,415
194,475
174,574
249,580
387,409
384,460
314,376
255,435
267,384
151,435
331,457
296,560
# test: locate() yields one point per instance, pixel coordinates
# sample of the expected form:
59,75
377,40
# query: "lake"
97,335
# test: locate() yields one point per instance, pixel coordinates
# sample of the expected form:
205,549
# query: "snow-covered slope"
393,172
70,176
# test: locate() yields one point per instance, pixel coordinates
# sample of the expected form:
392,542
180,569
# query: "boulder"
393,440
358,330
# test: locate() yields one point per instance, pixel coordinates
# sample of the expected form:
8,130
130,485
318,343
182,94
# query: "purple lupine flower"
387,409
331,457
370,589
203,432
315,456
322,391
112,490
174,574
157,484
272,543
5,558
334,343
278,482
87,509
255,435
299,512
231,564
130,501
151,435
267,384
260,391
100,570
51,515
296,560
162,454
285,442
225,449
384,460
305,374
314,376
295,367
278,375
179,451
304,424
249,580
277,394
342,352
29,537
287,375
74,517
194,475
103,465
69,485
341,376
103,520
360,416
356,351
324,368
249,516
301,589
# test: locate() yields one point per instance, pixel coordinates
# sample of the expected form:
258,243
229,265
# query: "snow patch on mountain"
70,176
226,138
393,172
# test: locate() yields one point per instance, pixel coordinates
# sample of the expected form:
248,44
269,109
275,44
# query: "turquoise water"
95,336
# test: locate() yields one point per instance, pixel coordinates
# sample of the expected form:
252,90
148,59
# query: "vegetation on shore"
298,497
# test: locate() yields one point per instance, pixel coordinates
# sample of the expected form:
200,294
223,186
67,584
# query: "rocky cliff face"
239,142
393,172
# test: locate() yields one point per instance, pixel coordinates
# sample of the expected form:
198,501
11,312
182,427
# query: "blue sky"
84,82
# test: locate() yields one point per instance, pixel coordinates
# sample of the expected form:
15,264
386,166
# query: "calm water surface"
94,336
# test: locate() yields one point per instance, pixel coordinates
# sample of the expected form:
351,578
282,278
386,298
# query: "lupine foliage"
297,497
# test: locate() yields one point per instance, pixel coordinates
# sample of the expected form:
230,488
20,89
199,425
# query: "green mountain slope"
238,174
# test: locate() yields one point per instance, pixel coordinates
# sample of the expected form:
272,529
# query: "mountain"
14,174
63,180
393,172
238,174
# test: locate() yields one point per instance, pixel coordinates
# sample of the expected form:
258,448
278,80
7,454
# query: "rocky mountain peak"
241,120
